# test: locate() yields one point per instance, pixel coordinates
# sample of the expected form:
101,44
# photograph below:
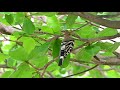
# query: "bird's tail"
60,62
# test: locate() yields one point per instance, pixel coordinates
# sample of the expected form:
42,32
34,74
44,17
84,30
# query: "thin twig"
96,58
82,26
16,27
86,66
80,46
5,66
81,39
40,32
3,36
45,67
32,65
49,73
96,25
53,38
20,43
35,36
81,72
80,61
21,26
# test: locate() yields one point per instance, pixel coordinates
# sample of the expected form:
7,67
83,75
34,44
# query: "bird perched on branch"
66,46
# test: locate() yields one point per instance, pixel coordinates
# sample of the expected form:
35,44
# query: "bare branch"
5,66
110,61
40,32
96,19
80,61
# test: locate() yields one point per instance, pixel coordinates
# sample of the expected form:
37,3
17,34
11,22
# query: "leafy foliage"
33,49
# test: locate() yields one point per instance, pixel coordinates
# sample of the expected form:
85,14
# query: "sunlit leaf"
28,43
52,67
77,69
19,54
19,17
87,32
3,57
6,74
54,24
56,48
113,74
84,55
96,74
23,71
9,18
39,50
11,62
70,20
28,26
39,61
108,32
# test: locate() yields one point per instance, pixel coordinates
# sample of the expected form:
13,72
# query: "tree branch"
110,61
96,19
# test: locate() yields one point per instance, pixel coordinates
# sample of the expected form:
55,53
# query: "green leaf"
84,55
54,24
108,46
0,44
28,43
38,55
66,61
19,54
11,62
6,47
39,61
24,71
3,57
9,18
96,29
107,32
93,49
62,70
88,52
47,29
6,74
95,74
45,13
52,67
79,19
78,43
109,54
112,74
39,50
70,20
106,67
87,32
6,13
19,17
56,48
115,46
77,69
28,26
36,75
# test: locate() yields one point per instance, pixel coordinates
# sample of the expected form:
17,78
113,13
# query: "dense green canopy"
30,44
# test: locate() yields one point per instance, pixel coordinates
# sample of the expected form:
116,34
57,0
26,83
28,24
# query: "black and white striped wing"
66,48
